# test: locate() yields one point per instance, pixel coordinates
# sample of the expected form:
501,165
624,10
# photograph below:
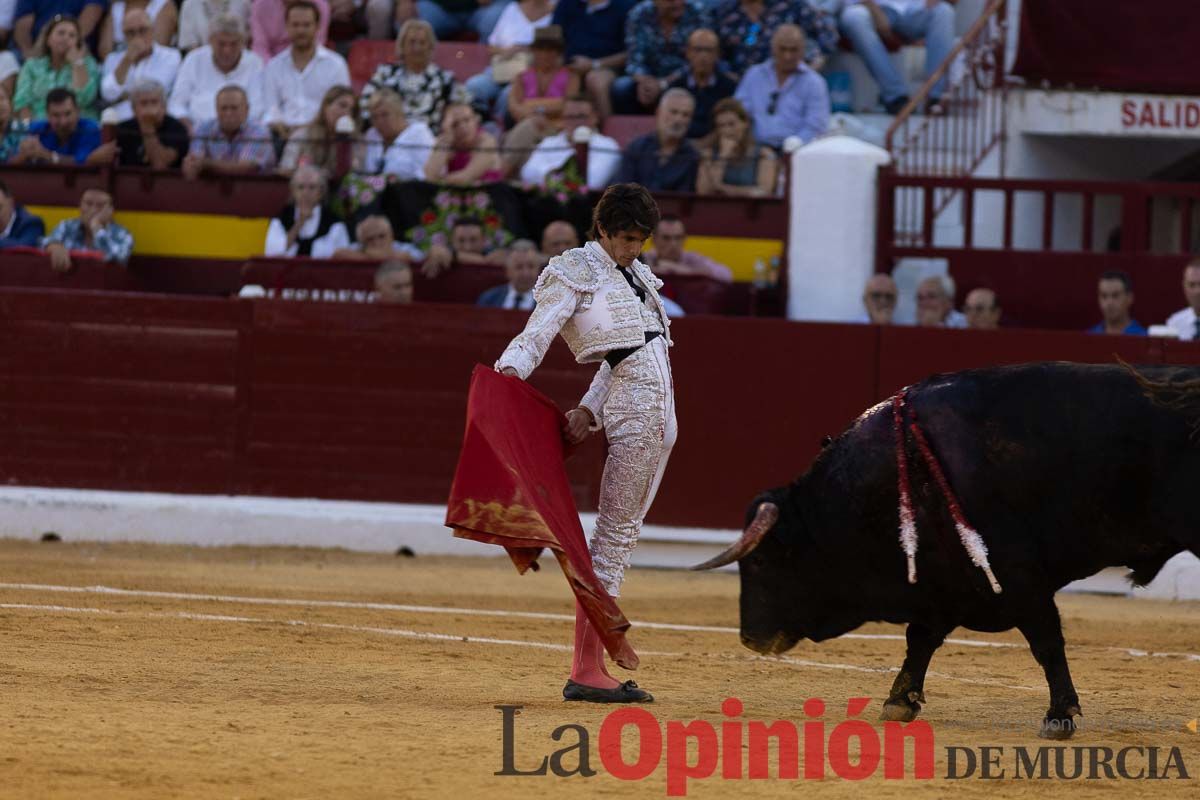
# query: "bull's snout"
769,645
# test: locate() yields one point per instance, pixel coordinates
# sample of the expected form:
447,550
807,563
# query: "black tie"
1196,333
519,303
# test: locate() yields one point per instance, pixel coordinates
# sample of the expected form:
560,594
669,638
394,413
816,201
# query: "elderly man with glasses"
784,96
142,60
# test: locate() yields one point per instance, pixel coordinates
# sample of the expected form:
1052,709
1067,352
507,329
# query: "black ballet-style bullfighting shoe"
627,692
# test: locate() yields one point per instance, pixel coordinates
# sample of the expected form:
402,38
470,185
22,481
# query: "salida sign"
739,749
1160,114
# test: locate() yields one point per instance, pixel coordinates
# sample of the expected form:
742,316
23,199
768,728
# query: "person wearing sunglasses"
784,96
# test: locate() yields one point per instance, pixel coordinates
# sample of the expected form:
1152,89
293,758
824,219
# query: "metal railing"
953,137
1038,215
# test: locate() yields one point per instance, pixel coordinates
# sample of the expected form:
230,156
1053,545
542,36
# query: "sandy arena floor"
285,683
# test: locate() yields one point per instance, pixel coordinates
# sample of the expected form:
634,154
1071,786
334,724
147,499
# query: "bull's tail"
1179,396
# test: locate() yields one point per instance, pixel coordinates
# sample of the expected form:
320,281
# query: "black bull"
1064,469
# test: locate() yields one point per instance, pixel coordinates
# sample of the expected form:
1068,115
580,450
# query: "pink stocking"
587,665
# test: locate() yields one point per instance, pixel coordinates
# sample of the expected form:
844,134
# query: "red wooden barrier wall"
340,400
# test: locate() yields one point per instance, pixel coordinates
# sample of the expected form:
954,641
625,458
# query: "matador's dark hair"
625,207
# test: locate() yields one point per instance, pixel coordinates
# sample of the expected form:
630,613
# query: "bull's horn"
764,520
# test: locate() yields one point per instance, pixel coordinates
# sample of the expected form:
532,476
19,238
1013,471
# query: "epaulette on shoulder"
574,270
648,277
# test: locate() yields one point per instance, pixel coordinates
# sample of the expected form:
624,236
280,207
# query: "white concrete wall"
209,520
831,241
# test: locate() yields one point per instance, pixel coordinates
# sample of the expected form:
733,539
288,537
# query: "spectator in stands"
747,27
664,160
521,268
93,230
785,97
376,241
935,304
555,153
142,60
395,145
707,83
595,34
669,258
270,32
872,26
230,143
1115,295
879,299
10,68
469,246
61,138
734,164
544,87
425,87
1186,322
223,62
394,283
152,138
982,310
557,238
316,142
509,45
306,226
464,154
296,80
59,58
164,19
12,130
196,17
31,18
18,228
656,35
452,17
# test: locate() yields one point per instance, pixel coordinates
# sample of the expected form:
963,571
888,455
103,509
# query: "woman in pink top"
544,87
269,31
464,154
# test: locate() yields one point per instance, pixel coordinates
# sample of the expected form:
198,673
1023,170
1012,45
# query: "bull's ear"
826,441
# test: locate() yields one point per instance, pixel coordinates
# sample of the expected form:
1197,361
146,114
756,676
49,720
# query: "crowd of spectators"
243,87
981,308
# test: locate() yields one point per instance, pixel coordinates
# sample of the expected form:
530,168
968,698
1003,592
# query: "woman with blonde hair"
315,143
733,163
61,59
425,88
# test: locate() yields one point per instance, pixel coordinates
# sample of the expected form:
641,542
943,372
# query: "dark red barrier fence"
355,401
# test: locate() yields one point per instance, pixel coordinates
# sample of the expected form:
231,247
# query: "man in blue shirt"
63,137
1116,298
594,31
664,160
783,95
18,228
31,15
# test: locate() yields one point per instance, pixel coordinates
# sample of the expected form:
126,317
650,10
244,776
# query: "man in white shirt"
1186,322
297,78
521,268
224,61
396,146
553,152
935,304
141,60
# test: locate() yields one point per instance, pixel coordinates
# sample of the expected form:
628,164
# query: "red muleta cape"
510,488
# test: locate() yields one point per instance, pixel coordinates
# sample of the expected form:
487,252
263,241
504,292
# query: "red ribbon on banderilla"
972,542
